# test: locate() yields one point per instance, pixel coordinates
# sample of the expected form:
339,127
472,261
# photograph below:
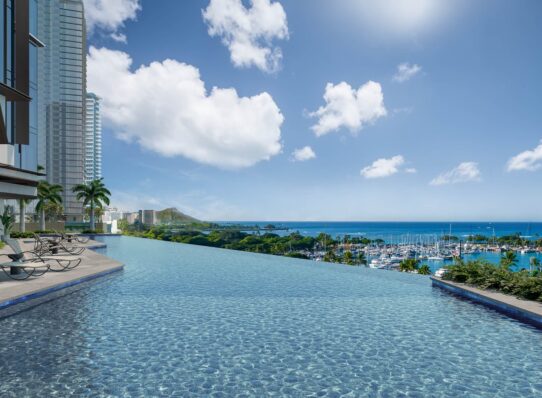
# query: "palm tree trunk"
21,216
42,220
92,224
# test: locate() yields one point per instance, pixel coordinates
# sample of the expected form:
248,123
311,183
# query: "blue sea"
393,230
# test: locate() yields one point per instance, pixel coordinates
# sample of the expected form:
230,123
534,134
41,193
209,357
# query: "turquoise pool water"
186,320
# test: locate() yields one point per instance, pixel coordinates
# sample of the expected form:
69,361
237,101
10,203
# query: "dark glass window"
2,40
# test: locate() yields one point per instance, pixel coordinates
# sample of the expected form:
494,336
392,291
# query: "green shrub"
485,275
22,235
424,270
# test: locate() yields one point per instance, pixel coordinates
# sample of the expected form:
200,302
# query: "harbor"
434,250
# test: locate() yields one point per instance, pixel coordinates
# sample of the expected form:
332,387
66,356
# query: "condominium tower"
93,139
62,91
19,48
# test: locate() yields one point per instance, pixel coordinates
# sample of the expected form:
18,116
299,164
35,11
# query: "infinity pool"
186,320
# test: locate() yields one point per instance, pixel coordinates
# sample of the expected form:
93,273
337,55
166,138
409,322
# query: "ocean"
394,230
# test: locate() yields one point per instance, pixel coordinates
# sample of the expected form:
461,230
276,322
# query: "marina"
429,249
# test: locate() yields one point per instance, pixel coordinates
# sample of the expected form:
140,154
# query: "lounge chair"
45,246
71,237
23,266
56,263
24,269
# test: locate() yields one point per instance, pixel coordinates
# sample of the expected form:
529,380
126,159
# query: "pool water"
184,320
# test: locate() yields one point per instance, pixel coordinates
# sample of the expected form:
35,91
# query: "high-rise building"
93,139
19,47
148,217
62,91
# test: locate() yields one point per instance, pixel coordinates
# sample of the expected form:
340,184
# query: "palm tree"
362,259
534,264
47,193
22,207
94,194
424,270
509,259
348,258
409,265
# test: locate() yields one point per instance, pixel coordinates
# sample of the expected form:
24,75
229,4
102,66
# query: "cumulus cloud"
303,154
249,32
383,167
528,160
406,71
119,37
465,172
110,15
166,108
349,108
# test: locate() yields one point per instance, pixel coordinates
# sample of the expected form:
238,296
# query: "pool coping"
107,266
523,310
55,288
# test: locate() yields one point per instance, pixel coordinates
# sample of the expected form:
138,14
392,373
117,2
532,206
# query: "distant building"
93,139
112,214
62,92
148,217
130,218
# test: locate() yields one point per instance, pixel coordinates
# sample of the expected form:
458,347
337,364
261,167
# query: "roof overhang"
18,183
12,94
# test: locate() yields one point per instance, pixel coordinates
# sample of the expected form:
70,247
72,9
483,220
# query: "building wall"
62,91
93,139
19,156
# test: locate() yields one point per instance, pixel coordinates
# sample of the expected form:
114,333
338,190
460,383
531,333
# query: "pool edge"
52,289
481,297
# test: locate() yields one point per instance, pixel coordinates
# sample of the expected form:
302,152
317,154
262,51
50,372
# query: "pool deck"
524,310
93,265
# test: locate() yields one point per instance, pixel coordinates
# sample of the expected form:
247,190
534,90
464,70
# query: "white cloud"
406,71
166,108
303,154
383,167
465,172
346,107
249,32
110,15
527,160
119,37
411,170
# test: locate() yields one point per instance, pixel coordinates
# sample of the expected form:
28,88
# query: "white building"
93,139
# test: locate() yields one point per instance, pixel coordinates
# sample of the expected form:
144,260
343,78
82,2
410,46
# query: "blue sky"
455,136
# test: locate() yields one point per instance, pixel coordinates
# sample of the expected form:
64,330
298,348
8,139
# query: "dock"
93,265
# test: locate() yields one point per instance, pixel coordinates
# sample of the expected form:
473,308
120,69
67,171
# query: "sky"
308,110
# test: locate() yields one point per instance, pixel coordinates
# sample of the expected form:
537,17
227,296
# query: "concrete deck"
523,310
93,265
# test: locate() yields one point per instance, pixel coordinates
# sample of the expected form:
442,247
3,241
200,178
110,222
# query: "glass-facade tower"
93,139
19,48
62,91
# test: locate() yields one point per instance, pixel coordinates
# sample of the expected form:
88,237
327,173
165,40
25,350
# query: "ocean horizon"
395,229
